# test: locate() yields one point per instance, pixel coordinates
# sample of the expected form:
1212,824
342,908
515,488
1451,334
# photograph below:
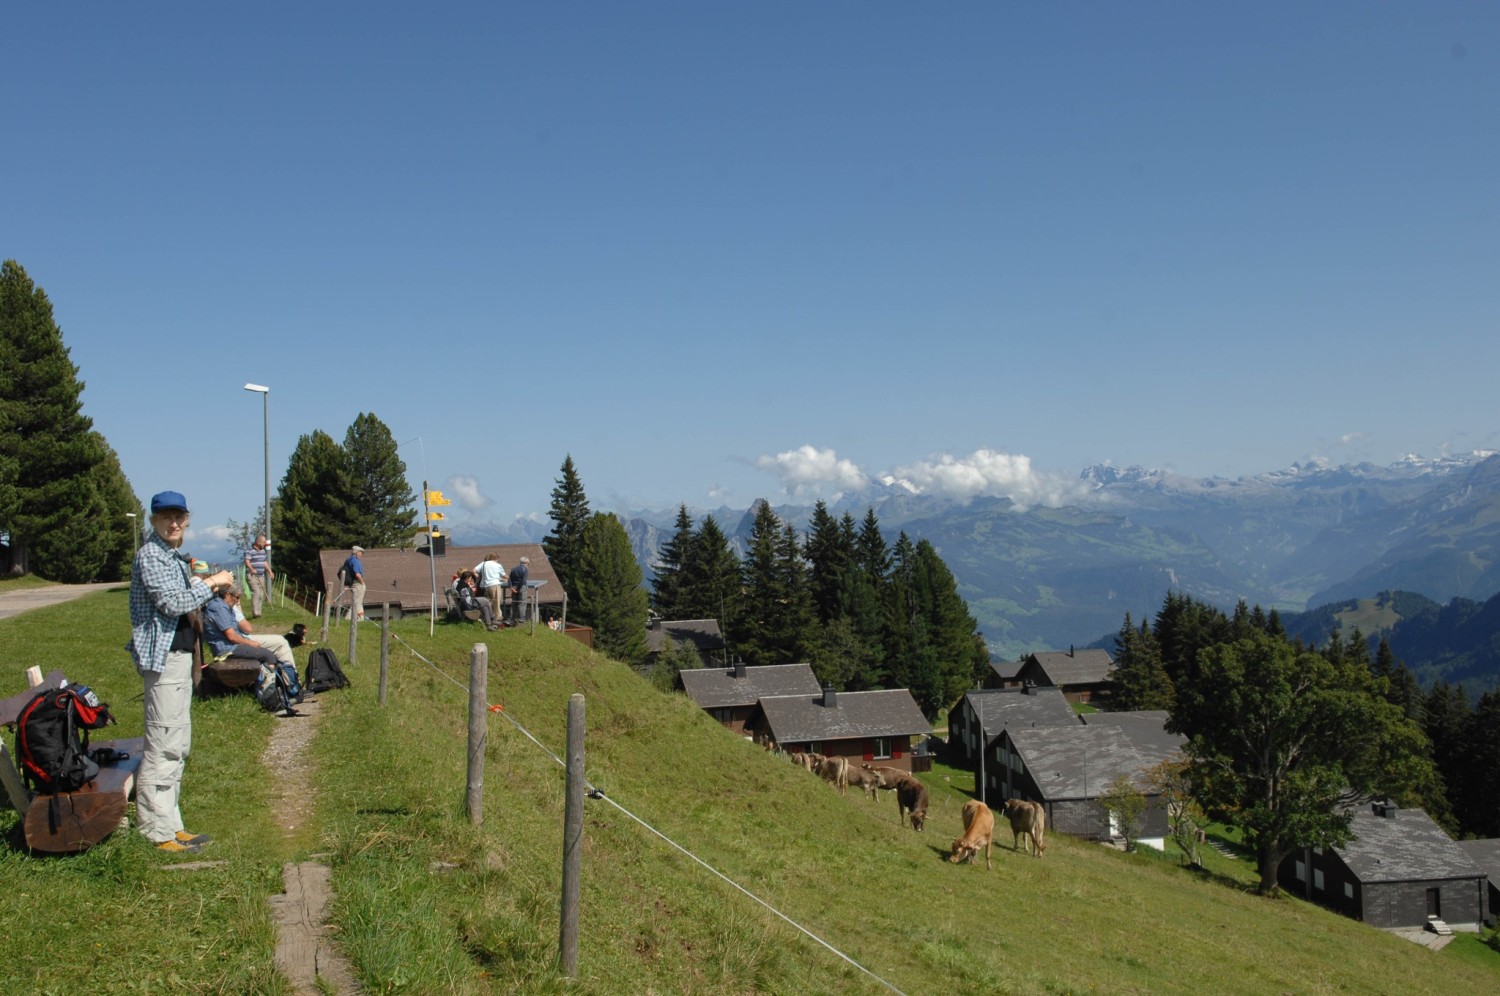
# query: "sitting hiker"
225,638
469,599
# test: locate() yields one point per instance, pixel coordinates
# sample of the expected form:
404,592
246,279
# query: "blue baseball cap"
164,500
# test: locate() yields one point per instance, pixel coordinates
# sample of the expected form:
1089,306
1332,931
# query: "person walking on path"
354,577
163,594
258,573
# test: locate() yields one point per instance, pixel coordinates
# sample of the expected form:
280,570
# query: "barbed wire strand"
597,793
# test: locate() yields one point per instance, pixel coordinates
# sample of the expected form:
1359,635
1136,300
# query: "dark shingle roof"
1079,762
1082,667
1006,670
1486,854
717,687
889,713
403,575
1406,847
1147,729
703,634
998,708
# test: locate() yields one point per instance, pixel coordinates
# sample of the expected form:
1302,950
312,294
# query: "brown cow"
888,776
979,830
865,779
911,798
836,771
1027,819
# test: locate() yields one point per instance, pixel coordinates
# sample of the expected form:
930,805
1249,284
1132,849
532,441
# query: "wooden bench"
85,816
231,673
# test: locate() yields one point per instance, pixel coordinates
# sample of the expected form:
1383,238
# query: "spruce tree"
711,581
828,559
1139,680
380,501
611,596
797,618
311,509
756,634
570,514
949,659
54,505
666,593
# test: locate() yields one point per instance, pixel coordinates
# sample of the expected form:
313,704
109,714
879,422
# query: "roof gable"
891,712
1079,667
717,687
1080,762
998,708
1404,847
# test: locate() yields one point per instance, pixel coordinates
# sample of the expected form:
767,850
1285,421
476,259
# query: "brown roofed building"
877,727
403,576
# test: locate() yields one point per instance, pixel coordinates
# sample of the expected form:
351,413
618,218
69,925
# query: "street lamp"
265,411
135,536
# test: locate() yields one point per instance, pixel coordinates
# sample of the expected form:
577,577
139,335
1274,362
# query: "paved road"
13,603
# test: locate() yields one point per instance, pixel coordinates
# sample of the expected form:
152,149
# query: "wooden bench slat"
234,672
88,815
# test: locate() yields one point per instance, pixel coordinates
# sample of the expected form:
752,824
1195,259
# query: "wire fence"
597,793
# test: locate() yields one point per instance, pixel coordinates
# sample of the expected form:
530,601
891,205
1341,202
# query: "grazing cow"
835,770
911,798
888,776
1027,819
979,830
866,779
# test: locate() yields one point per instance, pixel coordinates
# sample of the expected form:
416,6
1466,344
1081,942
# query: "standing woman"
163,592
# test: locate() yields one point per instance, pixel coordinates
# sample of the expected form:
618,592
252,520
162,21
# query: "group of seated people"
229,634
484,589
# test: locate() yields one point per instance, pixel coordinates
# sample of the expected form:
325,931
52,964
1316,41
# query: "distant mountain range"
1042,578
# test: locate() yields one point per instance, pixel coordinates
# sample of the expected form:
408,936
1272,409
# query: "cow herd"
1028,820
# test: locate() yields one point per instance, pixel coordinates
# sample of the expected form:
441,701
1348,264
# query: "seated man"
469,599
225,638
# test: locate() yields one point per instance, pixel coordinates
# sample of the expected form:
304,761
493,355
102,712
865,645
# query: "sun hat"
164,500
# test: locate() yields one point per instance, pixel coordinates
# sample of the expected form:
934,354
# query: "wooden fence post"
385,648
353,630
479,659
327,611
572,839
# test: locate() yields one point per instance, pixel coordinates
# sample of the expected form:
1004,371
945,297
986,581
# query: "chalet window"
1318,851
882,748
1318,878
1348,890
1299,871
722,715
815,747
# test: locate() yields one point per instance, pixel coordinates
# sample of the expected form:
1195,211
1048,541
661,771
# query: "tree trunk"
1268,859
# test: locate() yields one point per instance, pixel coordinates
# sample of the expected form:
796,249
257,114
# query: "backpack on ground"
52,738
323,671
278,689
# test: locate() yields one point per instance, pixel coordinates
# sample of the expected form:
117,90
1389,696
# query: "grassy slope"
429,903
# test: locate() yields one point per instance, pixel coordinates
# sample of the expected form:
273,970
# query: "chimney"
1028,687
1385,809
830,698
739,669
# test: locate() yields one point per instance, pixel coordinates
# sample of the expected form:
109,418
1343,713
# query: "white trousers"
169,737
276,645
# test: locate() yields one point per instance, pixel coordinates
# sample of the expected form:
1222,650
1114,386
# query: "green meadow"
429,903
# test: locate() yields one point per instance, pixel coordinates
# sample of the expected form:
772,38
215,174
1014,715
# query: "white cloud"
809,470
464,489
1351,437
219,534
986,472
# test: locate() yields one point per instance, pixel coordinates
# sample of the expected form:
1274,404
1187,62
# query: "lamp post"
135,536
265,411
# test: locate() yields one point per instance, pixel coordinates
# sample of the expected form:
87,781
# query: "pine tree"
870,551
1482,819
381,504
949,658
756,632
1139,680
828,560
54,500
711,580
903,636
796,615
611,597
570,513
666,594
311,509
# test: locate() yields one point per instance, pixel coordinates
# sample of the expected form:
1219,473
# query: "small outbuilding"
1399,870
1083,675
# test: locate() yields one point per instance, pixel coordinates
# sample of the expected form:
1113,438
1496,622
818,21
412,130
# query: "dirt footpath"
305,950
15,601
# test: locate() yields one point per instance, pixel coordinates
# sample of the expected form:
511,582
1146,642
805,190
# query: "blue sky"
719,252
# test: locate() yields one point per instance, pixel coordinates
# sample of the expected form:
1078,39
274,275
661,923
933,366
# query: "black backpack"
52,738
323,671
278,689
